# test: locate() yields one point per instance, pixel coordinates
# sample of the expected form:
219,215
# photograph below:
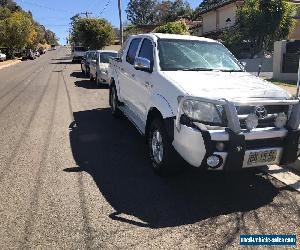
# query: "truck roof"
175,36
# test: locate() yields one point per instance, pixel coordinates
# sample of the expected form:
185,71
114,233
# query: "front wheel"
165,160
114,102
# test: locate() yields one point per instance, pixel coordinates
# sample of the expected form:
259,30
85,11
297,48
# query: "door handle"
133,75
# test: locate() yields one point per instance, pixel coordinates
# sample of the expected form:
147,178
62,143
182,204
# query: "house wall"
253,64
279,50
209,21
216,19
296,32
225,12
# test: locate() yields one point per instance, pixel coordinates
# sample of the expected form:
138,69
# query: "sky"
55,14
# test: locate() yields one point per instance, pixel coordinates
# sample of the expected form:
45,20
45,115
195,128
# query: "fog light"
220,146
251,121
214,161
280,120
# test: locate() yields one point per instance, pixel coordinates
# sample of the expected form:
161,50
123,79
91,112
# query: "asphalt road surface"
73,177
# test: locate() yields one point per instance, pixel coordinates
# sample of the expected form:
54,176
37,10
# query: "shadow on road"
77,74
114,154
62,62
62,59
87,84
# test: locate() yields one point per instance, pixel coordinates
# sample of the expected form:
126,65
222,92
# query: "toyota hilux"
192,99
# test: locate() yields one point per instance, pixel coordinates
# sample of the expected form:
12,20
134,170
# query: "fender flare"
162,105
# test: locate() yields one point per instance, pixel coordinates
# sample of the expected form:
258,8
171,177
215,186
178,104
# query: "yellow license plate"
262,157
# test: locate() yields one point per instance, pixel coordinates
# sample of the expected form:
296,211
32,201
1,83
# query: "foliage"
150,12
92,33
173,28
142,12
10,4
178,8
130,30
17,28
17,31
259,24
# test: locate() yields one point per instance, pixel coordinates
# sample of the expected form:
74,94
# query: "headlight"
280,120
202,111
251,121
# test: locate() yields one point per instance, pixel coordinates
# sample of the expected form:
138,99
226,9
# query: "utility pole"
298,82
121,23
86,14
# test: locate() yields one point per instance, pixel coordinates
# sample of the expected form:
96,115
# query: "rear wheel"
98,82
91,77
165,160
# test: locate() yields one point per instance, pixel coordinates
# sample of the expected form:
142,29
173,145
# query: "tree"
142,12
50,37
173,28
4,13
259,24
17,31
92,33
10,4
178,8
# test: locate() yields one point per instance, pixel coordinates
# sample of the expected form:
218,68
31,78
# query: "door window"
132,50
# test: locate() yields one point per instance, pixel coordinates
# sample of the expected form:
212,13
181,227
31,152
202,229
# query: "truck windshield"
105,56
191,55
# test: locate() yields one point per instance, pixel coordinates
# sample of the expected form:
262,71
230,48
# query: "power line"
104,8
45,7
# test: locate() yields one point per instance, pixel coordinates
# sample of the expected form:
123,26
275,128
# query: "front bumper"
195,144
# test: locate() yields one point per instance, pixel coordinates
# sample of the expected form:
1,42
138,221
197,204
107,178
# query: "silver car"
2,57
99,65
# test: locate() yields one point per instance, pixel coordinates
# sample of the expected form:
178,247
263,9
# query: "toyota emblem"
260,111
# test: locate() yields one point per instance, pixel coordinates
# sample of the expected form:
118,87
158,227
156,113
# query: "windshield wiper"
231,70
196,69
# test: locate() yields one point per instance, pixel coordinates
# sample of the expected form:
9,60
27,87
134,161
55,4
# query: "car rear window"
105,56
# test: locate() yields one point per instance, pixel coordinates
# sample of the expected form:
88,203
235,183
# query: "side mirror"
142,64
244,64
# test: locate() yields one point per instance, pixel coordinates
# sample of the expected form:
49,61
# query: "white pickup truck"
191,97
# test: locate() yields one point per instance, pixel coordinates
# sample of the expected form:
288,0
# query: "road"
73,177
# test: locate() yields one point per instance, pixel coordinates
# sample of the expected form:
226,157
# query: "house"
217,15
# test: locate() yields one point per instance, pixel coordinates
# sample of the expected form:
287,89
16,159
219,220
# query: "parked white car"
99,65
2,57
78,53
190,96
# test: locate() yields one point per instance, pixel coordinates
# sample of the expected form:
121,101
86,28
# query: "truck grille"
268,121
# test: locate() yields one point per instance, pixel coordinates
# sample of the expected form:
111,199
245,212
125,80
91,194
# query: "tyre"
164,159
98,82
91,77
114,102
